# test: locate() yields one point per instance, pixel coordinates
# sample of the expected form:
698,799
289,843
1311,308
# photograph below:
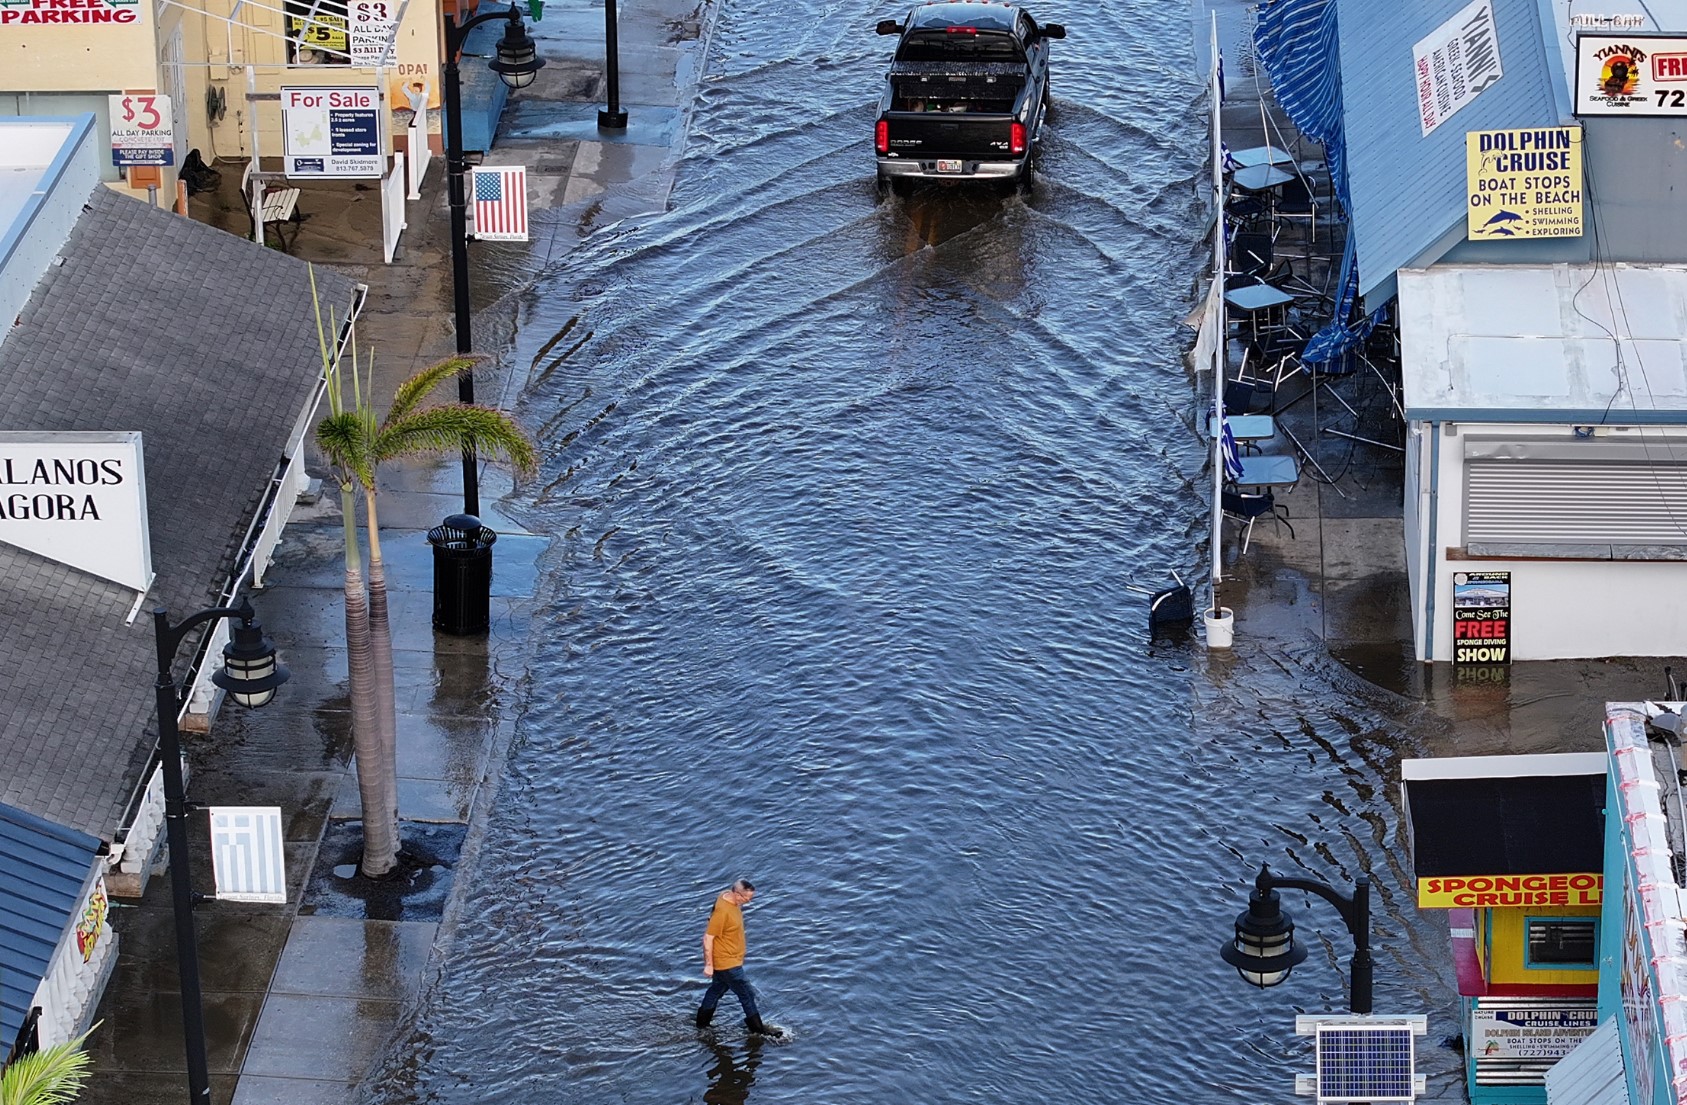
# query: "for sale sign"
142,129
332,132
1481,617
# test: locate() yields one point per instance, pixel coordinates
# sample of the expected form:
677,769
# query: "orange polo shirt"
726,925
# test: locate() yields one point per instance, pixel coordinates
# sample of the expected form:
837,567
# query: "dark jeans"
731,979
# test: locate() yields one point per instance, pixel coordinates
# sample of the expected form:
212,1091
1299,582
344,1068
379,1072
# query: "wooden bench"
279,206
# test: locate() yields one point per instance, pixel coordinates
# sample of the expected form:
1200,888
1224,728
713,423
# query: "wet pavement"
302,1000
825,580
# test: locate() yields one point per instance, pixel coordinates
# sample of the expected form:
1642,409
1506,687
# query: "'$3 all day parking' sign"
142,129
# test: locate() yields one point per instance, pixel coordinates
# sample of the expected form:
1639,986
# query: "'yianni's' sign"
79,499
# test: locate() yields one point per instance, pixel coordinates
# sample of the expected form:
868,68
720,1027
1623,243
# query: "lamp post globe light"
517,63
1264,949
250,674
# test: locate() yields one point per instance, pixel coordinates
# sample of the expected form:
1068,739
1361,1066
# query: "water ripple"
848,496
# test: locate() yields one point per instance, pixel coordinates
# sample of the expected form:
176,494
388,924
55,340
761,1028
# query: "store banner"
1481,617
1495,891
1631,75
1455,63
81,13
1523,183
1544,1032
79,498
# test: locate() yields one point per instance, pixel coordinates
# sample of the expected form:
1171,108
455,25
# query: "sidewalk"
302,1000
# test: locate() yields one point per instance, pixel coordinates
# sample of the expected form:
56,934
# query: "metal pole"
614,118
1221,353
181,883
455,169
1359,924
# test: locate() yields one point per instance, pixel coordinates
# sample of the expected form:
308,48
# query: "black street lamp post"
1264,950
250,675
614,118
518,62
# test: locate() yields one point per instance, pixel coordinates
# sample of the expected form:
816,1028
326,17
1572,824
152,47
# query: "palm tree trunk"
380,640
380,843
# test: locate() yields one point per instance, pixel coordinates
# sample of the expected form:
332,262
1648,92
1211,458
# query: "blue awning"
44,870
1301,48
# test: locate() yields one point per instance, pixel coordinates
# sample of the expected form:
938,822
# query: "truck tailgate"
928,134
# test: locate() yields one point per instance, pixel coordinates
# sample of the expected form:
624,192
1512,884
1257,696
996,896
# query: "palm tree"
52,1076
356,444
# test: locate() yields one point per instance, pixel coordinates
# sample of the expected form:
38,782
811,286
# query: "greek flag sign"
1232,457
499,193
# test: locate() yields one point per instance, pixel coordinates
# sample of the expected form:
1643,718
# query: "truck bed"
991,88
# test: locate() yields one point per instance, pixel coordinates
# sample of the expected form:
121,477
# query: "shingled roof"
205,343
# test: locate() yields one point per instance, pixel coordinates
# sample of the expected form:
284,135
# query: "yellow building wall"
206,64
262,46
77,57
1507,948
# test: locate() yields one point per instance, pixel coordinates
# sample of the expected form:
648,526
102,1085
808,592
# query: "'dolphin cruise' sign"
80,499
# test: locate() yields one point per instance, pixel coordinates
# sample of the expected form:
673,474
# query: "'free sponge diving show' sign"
1524,183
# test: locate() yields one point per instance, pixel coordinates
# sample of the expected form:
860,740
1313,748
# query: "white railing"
392,207
420,156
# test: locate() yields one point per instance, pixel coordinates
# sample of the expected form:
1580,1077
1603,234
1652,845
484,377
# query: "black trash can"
462,575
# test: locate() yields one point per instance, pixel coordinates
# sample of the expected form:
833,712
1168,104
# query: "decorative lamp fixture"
1264,950
250,670
518,60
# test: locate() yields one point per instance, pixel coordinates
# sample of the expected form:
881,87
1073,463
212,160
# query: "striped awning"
1300,47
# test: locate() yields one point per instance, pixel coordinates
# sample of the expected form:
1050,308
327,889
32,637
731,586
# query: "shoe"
755,1025
704,1016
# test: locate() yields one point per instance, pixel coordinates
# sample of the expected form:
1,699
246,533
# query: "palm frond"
423,384
456,426
348,440
51,1076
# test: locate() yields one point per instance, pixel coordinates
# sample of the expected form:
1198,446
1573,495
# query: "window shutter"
1568,502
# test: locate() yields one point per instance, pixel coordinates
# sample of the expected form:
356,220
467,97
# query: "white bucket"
1221,627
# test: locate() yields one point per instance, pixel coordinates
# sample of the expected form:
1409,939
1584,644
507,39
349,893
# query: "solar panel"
1365,1062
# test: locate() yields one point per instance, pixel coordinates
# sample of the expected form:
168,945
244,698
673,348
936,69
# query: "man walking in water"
723,959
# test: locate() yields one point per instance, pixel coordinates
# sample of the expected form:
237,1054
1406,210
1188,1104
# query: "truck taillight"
1016,138
881,136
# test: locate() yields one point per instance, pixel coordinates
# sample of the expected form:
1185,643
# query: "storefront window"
1561,942
316,32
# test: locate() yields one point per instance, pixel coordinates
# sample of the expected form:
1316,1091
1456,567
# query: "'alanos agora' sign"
79,499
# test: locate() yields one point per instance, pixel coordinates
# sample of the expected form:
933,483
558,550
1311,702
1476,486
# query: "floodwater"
850,493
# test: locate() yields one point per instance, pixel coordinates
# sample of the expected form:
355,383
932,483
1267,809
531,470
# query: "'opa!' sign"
79,499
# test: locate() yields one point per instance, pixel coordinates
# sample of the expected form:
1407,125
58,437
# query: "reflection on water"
849,497
731,1074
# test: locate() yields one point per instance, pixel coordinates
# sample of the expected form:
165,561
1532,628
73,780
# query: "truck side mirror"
1053,30
889,27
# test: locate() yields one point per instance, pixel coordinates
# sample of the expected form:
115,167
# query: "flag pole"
1220,353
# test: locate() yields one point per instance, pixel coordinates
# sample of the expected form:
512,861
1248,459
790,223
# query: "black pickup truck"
966,95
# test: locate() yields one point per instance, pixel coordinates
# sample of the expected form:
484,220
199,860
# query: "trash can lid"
461,531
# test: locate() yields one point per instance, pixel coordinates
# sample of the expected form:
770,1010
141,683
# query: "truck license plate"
950,166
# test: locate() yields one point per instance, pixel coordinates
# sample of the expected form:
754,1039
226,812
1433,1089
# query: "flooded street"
848,494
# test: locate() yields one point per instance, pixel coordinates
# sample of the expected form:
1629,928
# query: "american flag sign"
500,203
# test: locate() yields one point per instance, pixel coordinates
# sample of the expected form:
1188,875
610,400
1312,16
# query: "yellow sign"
319,31
1494,891
1524,183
